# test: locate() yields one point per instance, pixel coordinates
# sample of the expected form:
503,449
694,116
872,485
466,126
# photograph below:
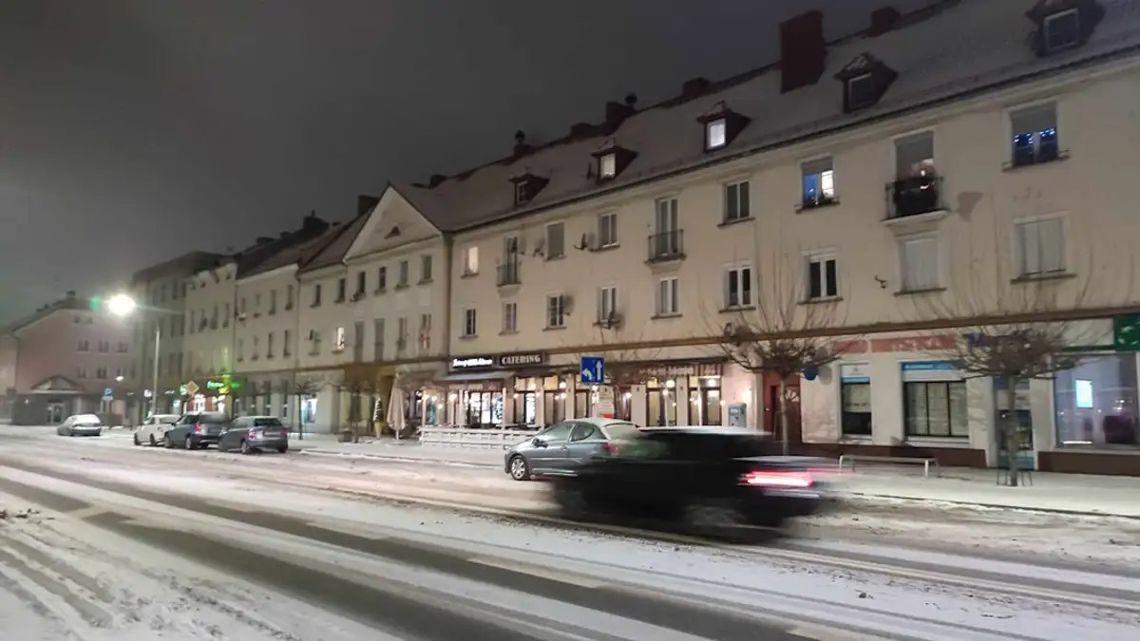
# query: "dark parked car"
194,431
80,425
250,434
713,481
562,447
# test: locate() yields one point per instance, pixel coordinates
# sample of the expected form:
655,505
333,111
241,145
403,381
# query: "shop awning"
464,377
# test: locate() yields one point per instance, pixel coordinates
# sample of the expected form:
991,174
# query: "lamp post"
123,305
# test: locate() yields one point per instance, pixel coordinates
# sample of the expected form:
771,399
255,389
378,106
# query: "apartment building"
65,359
372,315
891,190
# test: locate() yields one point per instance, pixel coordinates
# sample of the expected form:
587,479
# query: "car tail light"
769,478
610,448
199,428
253,434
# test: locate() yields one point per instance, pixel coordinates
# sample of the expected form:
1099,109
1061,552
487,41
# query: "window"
667,304
936,408
1035,138
555,241
340,342
121,373
257,302
214,318
403,281
269,345
101,373
401,334
1096,402
510,318
81,372
716,134
607,230
918,264
361,285
607,304
818,183
861,92
822,277
425,268
470,260
341,289
358,341
607,166
521,193
425,333
315,337
76,319
1061,30
378,339
273,301
84,345
286,343
192,328
469,327
226,316
241,307
855,399
240,350
555,311
104,347
122,347
736,206
256,348
317,295
288,298
738,287
1039,247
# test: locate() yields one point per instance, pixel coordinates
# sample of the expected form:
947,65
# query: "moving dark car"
194,431
713,481
250,434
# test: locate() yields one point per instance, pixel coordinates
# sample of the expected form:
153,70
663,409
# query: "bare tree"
626,363
299,389
786,335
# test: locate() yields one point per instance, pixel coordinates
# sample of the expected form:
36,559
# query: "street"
105,540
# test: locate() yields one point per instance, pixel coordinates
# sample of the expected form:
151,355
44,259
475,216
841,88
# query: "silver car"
80,425
562,447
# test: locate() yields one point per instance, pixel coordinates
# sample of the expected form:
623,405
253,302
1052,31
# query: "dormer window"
607,166
865,79
721,126
1062,30
861,92
716,134
527,186
612,159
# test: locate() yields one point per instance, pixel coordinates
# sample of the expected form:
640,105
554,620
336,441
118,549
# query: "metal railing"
478,439
508,273
913,196
668,245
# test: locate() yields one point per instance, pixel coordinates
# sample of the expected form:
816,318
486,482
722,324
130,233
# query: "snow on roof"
951,49
336,244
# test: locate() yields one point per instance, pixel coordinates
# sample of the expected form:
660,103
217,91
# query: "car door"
178,432
585,443
231,434
550,448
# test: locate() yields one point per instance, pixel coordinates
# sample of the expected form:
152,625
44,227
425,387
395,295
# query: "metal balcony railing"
913,196
668,245
508,273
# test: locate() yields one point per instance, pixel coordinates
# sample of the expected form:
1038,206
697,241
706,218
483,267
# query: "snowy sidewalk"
392,450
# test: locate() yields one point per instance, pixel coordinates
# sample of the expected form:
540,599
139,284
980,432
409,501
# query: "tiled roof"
951,49
291,255
188,263
336,243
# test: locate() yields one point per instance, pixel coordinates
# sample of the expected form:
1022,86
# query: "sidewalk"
1050,492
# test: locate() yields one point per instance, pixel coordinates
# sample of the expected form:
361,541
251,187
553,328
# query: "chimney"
695,87
365,203
802,50
883,20
617,112
313,223
520,146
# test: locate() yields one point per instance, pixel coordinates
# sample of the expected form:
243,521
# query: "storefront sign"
930,371
1126,333
683,369
223,385
605,405
473,362
504,361
855,373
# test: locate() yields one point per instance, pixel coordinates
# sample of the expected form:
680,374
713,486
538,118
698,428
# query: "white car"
80,425
154,428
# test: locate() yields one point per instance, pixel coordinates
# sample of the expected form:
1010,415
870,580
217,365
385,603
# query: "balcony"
508,274
908,198
666,246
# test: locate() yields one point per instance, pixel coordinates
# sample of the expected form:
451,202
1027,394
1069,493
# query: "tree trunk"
783,414
300,420
1009,432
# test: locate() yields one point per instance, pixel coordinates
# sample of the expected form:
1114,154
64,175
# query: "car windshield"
212,418
622,431
266,422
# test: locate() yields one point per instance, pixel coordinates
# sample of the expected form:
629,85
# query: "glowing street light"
122,305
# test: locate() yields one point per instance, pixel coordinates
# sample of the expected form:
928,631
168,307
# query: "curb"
994,506
313,451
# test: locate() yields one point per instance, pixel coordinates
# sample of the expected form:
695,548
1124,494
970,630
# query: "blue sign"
593,370
108,393
926,366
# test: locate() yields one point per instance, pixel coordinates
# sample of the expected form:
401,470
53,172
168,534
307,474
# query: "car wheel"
519,468
246,449
152,441
283,449
137,441
168,442
189,443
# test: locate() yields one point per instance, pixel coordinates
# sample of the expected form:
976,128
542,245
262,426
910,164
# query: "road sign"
108,393
605,405
191,388
593,370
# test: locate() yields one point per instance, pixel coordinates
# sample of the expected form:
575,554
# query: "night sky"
134,130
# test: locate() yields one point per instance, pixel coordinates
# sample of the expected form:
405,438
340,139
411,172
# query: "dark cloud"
131,130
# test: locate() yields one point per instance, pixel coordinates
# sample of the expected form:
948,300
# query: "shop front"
214,394
495,390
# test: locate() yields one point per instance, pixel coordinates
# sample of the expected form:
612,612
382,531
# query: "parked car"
80,425
249,434
154,428
563,447
714,481
194,431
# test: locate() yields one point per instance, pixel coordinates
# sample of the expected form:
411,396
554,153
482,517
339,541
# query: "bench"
926,462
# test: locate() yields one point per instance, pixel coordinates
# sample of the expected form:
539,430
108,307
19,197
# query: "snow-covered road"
137,543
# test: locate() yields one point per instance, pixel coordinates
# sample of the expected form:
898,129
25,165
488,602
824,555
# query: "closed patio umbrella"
396,411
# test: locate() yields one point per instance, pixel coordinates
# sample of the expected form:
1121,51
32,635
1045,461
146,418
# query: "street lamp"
123,305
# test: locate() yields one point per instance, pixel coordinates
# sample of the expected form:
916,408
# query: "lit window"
607,230
818,183
1034,135
607,166
340,339
716,134
471,261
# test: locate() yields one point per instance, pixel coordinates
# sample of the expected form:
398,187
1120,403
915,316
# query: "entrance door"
773,405
54,413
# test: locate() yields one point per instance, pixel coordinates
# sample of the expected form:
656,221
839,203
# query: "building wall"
50,347
210,347
269,377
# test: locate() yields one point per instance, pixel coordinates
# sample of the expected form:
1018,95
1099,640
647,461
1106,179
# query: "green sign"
223,385
1126,333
